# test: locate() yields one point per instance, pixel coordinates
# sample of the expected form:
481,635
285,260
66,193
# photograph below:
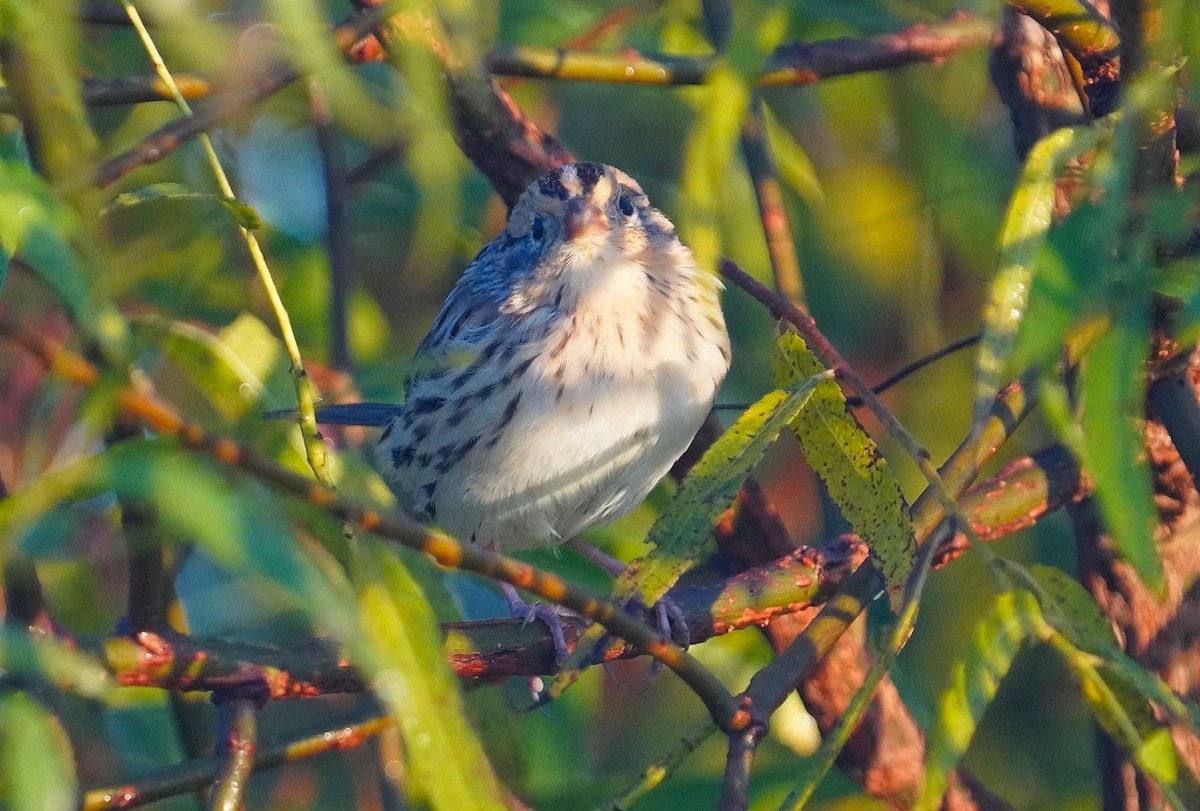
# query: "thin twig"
240,744
121,90
345,733
916,366
626,67
772,214
807,63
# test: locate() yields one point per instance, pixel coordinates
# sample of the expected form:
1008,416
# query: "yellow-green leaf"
37,772
720,106
974,680
854,473
1026,225
176,193
400,648
1073,612
1127,719
794,166
34,223
60,664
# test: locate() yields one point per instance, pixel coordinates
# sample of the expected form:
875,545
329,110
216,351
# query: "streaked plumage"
568,369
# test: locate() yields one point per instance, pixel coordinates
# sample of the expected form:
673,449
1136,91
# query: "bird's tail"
372,414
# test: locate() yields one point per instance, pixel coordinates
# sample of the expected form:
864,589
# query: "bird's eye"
538,230
626,205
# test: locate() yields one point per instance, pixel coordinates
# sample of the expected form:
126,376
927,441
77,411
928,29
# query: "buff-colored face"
580,211
584,196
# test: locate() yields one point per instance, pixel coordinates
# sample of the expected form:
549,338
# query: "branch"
489,650
239,717
807,63
771,212
104,92
352,730
1090,39
626,67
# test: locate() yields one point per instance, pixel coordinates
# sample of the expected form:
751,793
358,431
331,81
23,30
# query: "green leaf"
1072,611
1127,719
42,73
235,524
176,193
243,213
1068,607
34,223
720,106
1181,280
12,150
794,166
1113,393
38,769
230,367
1060,293
974,679
849,464
1024,231
400,647
60,664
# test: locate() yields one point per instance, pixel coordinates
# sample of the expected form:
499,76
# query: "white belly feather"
604,407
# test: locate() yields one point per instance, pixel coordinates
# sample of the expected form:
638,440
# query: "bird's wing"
469,317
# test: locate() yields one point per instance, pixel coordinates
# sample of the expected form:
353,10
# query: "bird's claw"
528,612
671,622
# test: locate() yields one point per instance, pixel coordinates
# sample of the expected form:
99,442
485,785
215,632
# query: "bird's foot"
528,612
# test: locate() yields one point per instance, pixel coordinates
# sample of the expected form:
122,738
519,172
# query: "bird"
569,367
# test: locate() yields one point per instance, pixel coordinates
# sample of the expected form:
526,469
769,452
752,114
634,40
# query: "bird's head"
588,212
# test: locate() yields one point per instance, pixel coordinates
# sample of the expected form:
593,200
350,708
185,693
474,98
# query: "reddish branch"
239,718
807,63
334,735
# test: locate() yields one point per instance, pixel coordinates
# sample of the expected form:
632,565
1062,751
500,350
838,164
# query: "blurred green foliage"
896,187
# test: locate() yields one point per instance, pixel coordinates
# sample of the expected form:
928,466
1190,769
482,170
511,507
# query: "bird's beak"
582,218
